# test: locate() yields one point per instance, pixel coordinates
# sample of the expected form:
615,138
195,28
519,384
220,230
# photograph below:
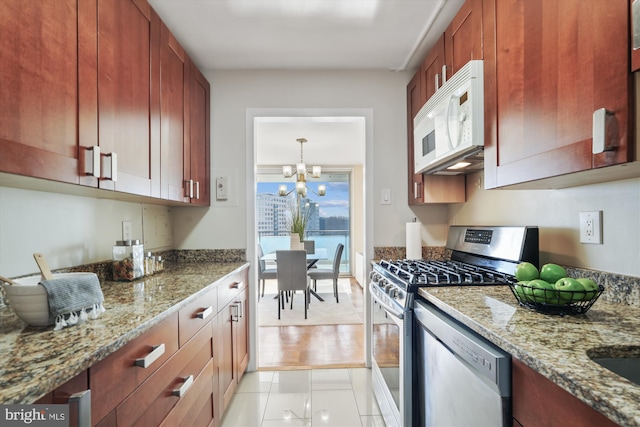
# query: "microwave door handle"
453,97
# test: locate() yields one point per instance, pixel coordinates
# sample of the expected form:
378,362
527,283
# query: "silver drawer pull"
205,313
146,361
188,381
83,402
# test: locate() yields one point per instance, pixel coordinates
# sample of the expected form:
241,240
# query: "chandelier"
301,177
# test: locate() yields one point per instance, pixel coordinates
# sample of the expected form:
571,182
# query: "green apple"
544,291
590,287
526,271
519,290
570,289
527,290
552,273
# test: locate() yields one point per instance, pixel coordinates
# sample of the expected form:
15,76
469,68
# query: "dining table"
312,259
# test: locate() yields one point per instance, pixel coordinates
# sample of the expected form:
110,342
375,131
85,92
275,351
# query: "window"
329,216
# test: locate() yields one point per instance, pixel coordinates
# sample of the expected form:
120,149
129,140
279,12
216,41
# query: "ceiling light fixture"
301,176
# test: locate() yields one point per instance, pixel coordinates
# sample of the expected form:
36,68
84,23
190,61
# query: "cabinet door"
62,394
556,63
127,78
197,175
174,79
226,352
415,100
431,70
463,37
242,334
39,89
537,401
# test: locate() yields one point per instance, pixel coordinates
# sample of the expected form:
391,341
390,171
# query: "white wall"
556,212
233,92
68,230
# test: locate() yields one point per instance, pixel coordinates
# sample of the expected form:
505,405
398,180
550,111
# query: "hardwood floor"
307,347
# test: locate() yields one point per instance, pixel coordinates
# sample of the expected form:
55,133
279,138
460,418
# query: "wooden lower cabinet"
539,402
169,385
62,395
117,376
233,335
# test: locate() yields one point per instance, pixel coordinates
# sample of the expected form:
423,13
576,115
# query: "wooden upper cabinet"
463,39
431,70
174,129
415,101
39,89
555,64
121,86
197,176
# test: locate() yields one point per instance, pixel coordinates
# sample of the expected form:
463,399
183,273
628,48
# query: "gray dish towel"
73,298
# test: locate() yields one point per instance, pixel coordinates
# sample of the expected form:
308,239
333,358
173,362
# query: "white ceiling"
308,34
331,141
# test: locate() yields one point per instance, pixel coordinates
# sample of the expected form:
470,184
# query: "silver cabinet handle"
83,401
444,74
111,166
189,188
198,190
235,317
240,308
635,23
188,381
146,361
92,161
436,76
205,313
603,127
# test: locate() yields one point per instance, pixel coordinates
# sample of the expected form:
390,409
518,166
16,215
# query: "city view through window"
329,215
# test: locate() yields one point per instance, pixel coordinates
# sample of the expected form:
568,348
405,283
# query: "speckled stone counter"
36,360
555,346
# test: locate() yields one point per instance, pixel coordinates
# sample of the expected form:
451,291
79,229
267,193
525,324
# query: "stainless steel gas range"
480,256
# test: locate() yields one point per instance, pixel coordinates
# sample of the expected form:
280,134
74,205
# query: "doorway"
364,245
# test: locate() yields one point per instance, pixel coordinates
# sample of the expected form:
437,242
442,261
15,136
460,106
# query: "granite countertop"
555,346
36,360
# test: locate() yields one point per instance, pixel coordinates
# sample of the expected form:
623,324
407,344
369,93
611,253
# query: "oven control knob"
388,289
393,293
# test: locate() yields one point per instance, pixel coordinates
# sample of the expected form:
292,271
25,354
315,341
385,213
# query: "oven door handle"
389,309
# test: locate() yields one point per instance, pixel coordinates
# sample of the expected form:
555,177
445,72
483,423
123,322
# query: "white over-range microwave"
449,128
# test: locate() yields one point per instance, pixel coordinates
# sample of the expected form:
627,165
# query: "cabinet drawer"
196,408
152,401
228,290
115,377
197,314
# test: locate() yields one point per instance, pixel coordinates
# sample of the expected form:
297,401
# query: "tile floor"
315,397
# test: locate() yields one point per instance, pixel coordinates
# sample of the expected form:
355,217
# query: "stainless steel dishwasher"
462,379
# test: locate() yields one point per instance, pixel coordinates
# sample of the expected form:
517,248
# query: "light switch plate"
222,188
386,196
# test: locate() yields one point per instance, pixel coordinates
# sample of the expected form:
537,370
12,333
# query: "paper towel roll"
414,240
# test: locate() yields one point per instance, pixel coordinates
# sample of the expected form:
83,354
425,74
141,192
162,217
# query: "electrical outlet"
126,230
591,227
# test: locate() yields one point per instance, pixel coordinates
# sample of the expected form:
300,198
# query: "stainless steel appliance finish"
392,358
480,256
463,380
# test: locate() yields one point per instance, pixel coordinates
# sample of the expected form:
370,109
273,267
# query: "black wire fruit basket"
552,301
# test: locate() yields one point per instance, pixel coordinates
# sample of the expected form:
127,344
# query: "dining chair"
310,246
264,273
292,276
329,273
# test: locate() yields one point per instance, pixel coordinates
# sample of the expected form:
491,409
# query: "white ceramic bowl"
29,301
